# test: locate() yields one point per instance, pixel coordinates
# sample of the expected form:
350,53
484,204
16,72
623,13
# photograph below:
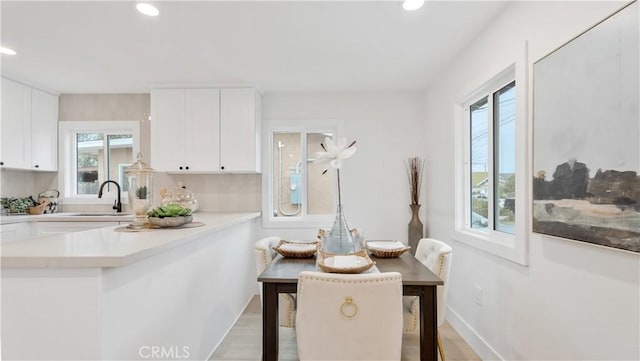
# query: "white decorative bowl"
387,249
296,249
168,222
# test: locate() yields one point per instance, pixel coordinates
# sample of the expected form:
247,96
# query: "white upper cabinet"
203,127
240,129
29,128
16,125
44,130
185,128
168,130
205,130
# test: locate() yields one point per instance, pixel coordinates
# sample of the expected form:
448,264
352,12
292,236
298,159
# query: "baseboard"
471,337
230,327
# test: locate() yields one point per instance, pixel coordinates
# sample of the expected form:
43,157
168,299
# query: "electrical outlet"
478,295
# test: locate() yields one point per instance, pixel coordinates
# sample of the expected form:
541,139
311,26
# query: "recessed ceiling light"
7,51
147,9
411,5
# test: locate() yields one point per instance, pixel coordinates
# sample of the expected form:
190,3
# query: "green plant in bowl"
169,210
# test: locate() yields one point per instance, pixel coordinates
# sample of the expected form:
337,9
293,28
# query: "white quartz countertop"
70,217
105,247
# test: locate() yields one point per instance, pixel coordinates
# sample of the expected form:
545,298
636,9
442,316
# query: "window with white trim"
298,194
491,161
93,152
490,158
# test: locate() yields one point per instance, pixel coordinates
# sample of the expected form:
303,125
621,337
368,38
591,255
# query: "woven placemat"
150,227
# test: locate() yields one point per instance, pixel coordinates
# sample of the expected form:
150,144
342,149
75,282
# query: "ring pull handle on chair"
348,309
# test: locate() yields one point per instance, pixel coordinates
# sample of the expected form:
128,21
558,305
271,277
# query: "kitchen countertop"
105,247
69,217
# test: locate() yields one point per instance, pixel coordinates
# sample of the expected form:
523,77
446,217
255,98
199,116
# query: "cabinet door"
44,131
239,130
16,125
168,130
203,129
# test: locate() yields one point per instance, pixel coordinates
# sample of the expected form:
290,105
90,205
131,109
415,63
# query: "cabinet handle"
37,166
187,168
1,163
222,167
180,167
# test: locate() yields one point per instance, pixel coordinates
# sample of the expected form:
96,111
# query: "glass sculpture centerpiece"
339,239
140,179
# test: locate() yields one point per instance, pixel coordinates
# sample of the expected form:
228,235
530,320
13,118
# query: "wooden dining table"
281,276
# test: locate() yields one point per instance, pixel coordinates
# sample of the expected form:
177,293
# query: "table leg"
428,324
270,326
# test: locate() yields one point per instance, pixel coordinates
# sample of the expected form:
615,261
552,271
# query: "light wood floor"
244,341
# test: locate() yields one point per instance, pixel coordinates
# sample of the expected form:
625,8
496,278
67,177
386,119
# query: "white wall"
574,301
388,129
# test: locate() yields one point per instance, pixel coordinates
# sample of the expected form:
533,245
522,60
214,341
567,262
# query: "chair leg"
440,349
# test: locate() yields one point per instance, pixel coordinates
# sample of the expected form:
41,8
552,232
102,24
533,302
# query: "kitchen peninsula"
106,294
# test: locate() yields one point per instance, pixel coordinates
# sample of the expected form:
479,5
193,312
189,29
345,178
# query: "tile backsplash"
24,183
214,192
218,192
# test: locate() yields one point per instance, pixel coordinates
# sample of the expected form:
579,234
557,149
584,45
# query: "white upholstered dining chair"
264,253
436,256
349,316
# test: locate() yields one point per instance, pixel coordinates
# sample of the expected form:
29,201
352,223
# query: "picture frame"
586,126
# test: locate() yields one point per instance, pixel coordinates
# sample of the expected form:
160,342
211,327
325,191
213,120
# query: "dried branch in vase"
414,166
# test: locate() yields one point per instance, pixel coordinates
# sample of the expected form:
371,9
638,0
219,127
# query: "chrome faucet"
117,205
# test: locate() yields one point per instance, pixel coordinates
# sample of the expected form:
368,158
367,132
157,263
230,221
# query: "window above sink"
92,152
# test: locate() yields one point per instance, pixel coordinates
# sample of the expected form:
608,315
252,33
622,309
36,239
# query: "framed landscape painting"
586,129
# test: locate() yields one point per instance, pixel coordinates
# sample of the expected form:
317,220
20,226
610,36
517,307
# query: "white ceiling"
108,47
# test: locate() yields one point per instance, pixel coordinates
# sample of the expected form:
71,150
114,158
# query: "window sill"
505,246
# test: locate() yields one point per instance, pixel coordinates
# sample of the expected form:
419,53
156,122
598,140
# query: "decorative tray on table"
296,249
387,249
352,263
